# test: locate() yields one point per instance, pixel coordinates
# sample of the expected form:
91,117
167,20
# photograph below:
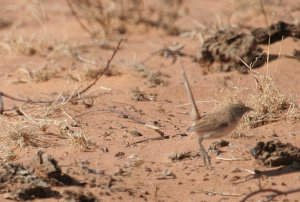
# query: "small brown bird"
213,125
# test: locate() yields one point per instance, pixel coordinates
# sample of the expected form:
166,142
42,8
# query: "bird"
213,125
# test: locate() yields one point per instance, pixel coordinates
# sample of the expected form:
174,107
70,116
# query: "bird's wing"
207,123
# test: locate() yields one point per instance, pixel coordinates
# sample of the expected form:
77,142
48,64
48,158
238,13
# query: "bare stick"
197,101
194,113
26,100
279,54
62,91
270,197
276,11
219,193
149,139
232,159
86,60
74,95
265,15
104,70
155,192
244,169
254,76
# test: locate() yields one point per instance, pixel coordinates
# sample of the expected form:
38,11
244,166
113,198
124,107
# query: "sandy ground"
122,167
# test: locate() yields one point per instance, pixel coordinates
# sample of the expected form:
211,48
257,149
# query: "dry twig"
270,197
219,193
75,95
232,159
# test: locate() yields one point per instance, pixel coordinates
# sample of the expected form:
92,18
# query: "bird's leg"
203,153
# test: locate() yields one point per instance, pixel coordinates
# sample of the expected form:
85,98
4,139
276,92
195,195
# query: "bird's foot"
206,159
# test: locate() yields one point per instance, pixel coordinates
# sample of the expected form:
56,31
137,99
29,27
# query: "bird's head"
239,109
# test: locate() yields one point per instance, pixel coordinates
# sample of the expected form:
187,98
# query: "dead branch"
104,70
219,193
232,159
149,139
269,197
74,95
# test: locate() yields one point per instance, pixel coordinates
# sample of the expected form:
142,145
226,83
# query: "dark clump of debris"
71,196
33,181
21,184
222,52
275,153
276,32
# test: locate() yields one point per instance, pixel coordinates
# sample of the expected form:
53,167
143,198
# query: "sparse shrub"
103,18
268,102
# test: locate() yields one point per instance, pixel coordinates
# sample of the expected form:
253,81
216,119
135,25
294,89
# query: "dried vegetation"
269,103
103,19
40,127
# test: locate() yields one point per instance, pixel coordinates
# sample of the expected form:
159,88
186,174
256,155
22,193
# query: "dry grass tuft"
23,133
19,45
152,78
40,127
6,154
268,102
100,18
103,18
42,74
91,73
29,46
78,139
